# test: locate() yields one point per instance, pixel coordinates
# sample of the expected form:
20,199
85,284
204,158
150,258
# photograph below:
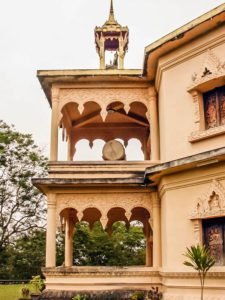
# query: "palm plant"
199,258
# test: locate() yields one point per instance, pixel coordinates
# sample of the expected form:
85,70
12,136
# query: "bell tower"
112,37
118,107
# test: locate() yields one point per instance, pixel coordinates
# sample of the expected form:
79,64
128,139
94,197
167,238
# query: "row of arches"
102,111
79,123
105,113
115,214
70,217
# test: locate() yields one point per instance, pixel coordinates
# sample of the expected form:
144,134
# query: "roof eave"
49,77
154,174
181,36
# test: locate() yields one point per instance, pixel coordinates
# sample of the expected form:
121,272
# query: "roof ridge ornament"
112,37
111,13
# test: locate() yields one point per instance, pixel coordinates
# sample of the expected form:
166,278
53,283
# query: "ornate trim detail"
103,97
197,226
191,297
186,275
211,203
197,135
195,96
112,272
103,202
212,68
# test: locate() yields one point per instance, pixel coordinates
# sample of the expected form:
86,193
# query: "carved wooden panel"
214,107
214,231
221,96
211,109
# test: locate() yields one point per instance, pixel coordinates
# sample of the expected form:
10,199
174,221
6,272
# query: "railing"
9,282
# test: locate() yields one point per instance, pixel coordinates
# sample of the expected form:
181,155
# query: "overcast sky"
59,34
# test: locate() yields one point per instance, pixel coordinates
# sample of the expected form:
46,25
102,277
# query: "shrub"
138,296
38,283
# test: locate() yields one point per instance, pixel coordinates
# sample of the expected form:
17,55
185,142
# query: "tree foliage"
25,258
199,259
22,207
96,248
23,213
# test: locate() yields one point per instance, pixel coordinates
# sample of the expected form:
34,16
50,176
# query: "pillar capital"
155,199
51,201
195,94
55,94
152,93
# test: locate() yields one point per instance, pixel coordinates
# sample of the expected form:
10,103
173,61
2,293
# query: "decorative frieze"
103,97
204,134
103,202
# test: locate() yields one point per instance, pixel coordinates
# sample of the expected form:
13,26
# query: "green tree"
95,247
22,206
199,259
29,255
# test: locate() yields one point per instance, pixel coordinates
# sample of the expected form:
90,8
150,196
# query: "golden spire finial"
111,13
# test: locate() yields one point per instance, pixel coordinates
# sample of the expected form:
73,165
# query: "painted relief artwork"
214,104
211,117
214,239
222,105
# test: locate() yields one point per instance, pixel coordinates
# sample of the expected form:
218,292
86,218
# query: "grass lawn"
12,292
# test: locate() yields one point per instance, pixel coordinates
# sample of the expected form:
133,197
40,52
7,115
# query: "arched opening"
114,215
69,219
81,122
142,216
126,240
134,150
94,247
83,151
91,215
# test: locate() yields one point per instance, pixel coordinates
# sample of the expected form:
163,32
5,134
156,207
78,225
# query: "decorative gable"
212,68
211,203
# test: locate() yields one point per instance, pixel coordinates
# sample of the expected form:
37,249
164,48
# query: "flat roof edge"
88,72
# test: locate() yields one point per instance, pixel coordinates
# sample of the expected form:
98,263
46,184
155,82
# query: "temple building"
175,108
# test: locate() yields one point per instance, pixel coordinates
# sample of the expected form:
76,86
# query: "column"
148,248
121,54
51,232
102,52
68,242
54,125
156,230
154,124
69,150
121,60
102,59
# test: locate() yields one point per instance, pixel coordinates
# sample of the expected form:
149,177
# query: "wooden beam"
132,116
86,119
